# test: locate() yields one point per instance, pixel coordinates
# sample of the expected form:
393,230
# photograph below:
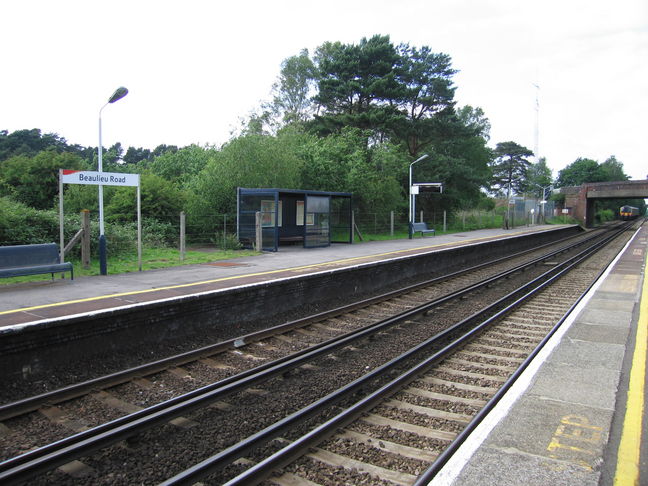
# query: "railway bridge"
579,200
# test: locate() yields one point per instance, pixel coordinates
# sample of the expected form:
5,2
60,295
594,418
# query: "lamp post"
117,95
543,200
411,215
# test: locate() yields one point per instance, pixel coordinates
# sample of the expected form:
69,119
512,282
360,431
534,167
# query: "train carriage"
628,212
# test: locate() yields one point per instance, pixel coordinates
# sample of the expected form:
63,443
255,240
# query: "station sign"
69,176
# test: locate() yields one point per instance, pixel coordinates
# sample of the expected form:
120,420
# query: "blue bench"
421,228
20,260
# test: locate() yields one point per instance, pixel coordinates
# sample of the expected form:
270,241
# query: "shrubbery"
604,215
22,225
226,241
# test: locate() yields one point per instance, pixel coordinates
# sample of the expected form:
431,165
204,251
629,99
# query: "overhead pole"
410,219
536,137
103,267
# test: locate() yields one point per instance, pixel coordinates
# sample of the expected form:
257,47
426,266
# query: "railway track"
293,335
228,400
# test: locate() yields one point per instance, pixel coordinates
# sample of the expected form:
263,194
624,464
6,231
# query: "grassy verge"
152,258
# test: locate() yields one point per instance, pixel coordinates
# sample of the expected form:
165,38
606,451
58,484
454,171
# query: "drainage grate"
225,264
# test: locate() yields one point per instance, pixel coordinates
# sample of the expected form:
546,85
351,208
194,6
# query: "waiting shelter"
289,216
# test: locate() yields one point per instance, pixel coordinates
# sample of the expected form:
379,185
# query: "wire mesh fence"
219,231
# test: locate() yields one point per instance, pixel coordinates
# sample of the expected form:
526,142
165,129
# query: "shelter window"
268,213
300,213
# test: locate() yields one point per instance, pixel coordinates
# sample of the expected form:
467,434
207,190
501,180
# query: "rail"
27,465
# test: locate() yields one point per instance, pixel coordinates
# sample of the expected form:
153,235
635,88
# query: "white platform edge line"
450,472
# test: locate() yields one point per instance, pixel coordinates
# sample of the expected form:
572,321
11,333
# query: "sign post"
87,177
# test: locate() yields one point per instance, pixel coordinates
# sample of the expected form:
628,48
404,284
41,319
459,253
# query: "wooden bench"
20,260
421,228
291,239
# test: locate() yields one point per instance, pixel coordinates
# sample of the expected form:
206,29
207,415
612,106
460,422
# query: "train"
628,212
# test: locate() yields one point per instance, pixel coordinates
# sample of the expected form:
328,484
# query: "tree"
246,161
342,162
34,180
510,167
163,149
292,100
112,156
161,200
182,165
402,94
425,92
538,177
475,119
580,171
613,170
136,155
29,143
355,84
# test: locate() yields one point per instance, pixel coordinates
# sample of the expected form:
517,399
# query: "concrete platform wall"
30,351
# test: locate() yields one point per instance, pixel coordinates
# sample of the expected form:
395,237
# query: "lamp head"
424,156
118,94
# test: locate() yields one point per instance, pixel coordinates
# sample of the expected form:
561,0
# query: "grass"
152,258
401,235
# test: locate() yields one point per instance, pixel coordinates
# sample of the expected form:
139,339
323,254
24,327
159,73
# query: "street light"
543,200
116,96
411,215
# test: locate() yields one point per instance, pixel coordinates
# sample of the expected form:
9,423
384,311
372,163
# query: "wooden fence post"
225,231
182,235
391,223
257,224
85,239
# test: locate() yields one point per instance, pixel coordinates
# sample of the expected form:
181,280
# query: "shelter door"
317,221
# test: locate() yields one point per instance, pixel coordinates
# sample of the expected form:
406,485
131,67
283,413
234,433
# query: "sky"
194,69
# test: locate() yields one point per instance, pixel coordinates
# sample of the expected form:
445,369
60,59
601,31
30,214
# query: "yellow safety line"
223,279
627,470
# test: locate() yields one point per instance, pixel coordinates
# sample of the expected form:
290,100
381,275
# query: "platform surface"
562,425
576,417
45,299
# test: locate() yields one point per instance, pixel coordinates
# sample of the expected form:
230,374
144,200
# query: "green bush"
22,225
226,241
604,215
122,237
160,200
159,234
563,219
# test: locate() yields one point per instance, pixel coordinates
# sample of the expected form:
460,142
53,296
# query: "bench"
421,228
21,260
291,239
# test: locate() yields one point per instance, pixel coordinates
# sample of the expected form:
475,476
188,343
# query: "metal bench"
21,260
421,228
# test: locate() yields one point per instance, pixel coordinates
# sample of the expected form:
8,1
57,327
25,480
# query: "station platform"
28,303
577,409
576,416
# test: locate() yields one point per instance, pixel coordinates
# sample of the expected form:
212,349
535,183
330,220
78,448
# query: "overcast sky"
195,68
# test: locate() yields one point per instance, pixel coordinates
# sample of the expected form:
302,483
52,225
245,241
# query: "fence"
220,230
